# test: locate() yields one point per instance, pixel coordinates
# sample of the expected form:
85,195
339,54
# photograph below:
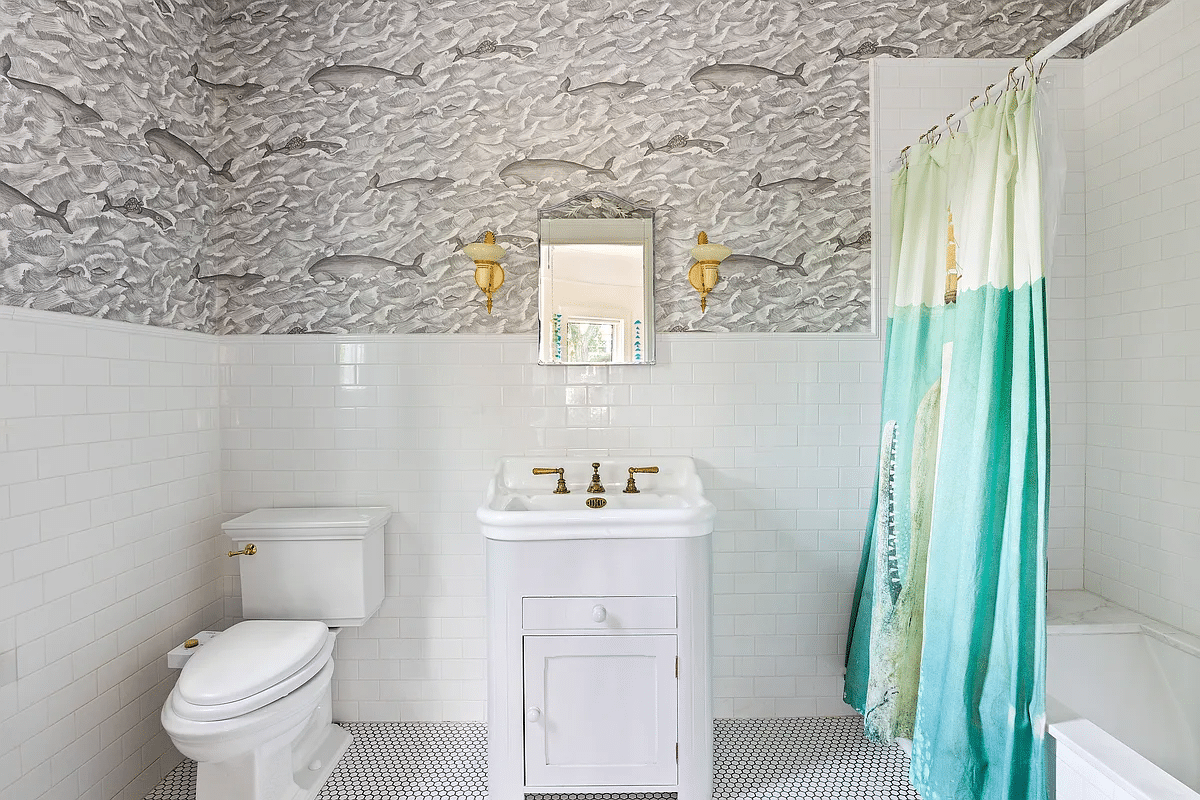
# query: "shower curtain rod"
1034,63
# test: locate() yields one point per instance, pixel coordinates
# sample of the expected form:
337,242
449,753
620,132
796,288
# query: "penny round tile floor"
823,758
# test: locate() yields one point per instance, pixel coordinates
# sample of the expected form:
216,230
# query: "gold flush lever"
630,485
561,488
248,550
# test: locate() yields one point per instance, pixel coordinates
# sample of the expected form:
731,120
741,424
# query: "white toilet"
253,706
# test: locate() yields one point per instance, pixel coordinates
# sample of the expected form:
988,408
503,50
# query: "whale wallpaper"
315,167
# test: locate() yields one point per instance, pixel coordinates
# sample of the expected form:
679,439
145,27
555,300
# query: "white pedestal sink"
599,631
521,506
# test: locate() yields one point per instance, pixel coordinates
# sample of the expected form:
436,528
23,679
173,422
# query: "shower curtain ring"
1042,68
987,94
1010,78
948,128
972,103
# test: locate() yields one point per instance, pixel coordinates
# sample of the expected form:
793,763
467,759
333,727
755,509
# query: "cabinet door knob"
533,714
599,613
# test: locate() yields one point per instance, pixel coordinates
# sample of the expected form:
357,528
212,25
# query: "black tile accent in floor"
822,758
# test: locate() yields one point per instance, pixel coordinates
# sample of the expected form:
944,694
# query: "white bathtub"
1123,706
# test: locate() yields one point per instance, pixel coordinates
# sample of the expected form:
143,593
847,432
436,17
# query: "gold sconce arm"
704,274
489,275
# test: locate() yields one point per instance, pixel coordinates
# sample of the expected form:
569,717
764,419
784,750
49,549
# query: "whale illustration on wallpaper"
340,268
239,281
133,208
11,196
680,142
748,262
808,185
298,144
870,49
528,171
229,91
723,76
65,107
488,47
432,184
167,145
607,89
343,76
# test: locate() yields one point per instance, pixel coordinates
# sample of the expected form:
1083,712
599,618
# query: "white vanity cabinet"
599,666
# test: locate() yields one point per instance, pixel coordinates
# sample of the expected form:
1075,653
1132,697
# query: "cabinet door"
600,711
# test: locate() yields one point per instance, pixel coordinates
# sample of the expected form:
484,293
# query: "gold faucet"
630,485
596,487
561,488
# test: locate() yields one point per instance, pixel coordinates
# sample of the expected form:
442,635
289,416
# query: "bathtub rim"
1100,749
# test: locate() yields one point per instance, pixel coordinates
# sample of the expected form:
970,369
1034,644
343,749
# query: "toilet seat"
252,664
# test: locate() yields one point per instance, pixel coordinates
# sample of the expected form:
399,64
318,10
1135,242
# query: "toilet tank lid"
310,520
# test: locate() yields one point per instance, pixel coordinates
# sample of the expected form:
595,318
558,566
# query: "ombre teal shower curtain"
947,634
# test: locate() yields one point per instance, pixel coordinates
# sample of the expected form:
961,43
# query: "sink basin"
522,506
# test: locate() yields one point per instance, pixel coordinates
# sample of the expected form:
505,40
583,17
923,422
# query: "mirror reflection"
595,288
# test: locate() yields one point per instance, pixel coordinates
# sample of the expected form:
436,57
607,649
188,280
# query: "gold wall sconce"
489,275
704,273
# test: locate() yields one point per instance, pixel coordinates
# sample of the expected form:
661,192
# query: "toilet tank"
311,563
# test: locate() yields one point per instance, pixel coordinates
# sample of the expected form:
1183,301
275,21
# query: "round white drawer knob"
533,714
599,613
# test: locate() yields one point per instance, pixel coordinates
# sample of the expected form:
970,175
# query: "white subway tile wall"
1143,326
109,495
783,429
911,95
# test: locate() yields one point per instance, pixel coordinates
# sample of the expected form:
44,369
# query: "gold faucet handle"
561,487
631,485
596,486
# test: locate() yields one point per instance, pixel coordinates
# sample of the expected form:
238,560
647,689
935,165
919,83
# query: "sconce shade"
703,275
710,252
480,251
489,275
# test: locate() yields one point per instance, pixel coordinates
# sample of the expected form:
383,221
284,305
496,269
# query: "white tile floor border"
825,758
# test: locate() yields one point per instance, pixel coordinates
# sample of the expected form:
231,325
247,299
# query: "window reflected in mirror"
596,290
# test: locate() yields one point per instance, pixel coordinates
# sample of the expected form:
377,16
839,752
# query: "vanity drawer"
597,613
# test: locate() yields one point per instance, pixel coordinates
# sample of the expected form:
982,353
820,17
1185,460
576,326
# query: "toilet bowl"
253,705
253,710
